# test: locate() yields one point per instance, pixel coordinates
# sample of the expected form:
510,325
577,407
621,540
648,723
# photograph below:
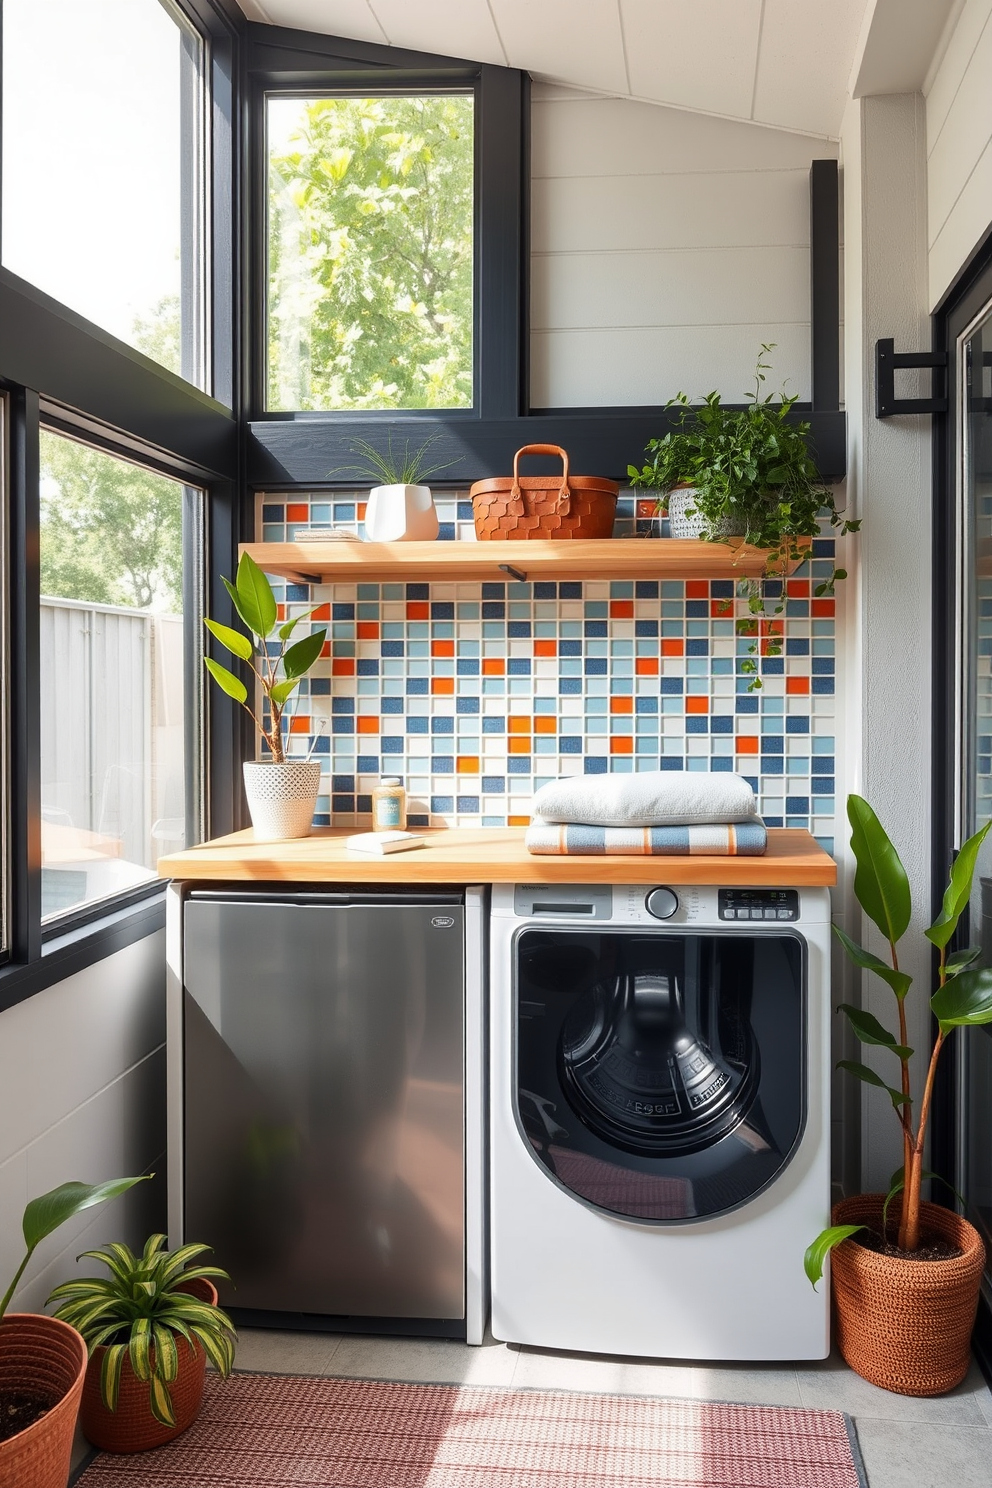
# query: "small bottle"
389,805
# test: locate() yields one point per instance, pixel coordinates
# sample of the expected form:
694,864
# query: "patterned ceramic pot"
685,521
282,798
41,1355
401,514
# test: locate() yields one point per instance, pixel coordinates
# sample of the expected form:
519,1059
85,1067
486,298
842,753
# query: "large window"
112,737
370,252
102,144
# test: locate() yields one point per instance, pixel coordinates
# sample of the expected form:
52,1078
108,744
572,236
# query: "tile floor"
906,1443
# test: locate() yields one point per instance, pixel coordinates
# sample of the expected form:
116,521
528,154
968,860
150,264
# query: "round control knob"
662,903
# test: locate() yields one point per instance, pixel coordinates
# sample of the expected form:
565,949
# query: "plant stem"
906,1112
13,1285
911,1209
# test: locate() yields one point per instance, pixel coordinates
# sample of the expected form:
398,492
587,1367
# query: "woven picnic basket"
906,1325
543,506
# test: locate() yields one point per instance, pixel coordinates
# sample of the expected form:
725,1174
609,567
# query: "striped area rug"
274,1431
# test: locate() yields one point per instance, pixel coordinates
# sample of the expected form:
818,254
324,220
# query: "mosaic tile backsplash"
476,694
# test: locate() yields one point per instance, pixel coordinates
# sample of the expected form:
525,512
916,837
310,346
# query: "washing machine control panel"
662,903
759,904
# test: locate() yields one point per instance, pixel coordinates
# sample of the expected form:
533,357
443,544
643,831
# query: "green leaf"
110,1374
166,1353
161,1402
964,999
870,1078
958,891
45,1214
300,658
870,1031
279,692
226,680
140,1347
958,960
821,1247
880,883
899,981
256,602
285,631
236,643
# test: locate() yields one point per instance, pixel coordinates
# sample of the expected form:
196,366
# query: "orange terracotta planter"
41,1354
132,1427
906,1325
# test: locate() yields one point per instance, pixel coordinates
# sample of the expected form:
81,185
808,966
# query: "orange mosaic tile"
368,723
493,666
621,744
797,686
443,686
467,764
695,704
518,723
545,724
517,745
621,704
442,648
748,744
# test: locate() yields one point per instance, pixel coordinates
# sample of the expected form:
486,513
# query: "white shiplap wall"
959,146
82,1095
666,246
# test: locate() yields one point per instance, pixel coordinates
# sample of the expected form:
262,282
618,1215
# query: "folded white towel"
652,798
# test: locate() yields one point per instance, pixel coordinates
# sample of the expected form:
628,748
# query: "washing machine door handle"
544,1108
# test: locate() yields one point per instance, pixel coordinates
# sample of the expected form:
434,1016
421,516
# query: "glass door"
974,738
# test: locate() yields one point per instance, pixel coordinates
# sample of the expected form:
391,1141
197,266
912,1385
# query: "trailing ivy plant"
280,668
963,997
753,466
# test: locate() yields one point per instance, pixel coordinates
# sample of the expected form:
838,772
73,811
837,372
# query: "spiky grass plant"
140,1310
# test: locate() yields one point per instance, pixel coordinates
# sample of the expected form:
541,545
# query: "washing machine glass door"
661,1075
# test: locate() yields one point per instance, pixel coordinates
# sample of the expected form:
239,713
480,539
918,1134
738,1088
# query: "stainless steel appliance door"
324,1107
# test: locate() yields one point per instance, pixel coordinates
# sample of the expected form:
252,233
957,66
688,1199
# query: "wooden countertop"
488,855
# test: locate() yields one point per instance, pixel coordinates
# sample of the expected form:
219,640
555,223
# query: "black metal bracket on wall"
888,362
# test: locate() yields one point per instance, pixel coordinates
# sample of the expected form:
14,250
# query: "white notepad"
379,843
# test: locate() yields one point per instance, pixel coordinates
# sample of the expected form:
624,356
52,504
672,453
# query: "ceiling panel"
573,41
699,56
804,62
351,18
455,28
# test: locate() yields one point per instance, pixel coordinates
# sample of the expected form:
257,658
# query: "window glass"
112,737
101,152
370,259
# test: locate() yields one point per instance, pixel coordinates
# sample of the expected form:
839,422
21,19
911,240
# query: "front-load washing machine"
660,1118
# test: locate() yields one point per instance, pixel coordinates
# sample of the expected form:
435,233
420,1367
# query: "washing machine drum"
661,1076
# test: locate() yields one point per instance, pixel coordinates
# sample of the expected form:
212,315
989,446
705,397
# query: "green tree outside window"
370,252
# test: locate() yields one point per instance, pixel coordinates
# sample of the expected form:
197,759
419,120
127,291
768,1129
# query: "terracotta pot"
132,1427
41,1354
906,1325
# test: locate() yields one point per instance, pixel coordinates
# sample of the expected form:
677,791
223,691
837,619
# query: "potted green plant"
400,507
743,472
281,793
906,1273
42,1359
150,1327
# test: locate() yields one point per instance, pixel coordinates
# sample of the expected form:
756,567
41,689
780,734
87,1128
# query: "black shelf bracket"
887,362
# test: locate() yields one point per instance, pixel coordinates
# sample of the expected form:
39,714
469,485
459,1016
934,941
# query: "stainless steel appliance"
325,1096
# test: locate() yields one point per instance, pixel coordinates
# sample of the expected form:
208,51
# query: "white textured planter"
681,524
282,798
401,514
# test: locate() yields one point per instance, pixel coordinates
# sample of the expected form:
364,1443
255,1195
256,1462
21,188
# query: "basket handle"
564,494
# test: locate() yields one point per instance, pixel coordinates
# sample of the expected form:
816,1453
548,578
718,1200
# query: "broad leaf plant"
139,1311
963,997
278,668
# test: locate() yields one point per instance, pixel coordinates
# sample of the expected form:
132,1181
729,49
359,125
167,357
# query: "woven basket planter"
132,1427
41,1355
906,1325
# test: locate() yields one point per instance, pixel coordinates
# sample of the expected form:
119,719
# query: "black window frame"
59,370
301,63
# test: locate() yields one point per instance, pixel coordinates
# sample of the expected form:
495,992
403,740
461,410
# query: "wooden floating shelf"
446,562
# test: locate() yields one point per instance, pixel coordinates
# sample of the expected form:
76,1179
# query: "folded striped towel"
730,839
648,798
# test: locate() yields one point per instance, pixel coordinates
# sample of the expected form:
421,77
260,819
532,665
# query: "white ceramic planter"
282,798
685,521
401,514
